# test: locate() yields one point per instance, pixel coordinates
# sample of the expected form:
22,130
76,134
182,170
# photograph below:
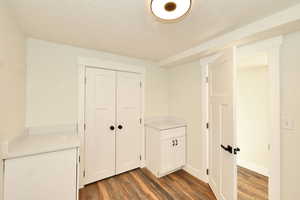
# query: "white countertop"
27,145
165,123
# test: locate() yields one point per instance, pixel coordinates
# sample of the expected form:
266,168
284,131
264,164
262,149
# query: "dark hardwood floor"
140,184
251,185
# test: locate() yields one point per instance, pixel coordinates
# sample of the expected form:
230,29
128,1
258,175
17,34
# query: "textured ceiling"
126,27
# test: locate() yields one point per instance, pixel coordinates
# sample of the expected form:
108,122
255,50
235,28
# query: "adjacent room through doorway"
253,127
243,115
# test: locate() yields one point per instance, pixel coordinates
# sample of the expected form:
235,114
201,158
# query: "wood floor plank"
251,185
141,184
146,188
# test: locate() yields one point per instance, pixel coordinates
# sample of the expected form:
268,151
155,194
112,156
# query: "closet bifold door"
100,115
128,137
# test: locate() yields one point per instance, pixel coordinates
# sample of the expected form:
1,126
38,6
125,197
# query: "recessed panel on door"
222,162
179,152
168,155
100,124
214,147
128,138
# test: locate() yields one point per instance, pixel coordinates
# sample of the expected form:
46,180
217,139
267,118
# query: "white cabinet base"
165,150
47,176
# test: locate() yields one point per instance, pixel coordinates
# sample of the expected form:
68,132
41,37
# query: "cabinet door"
179,152
100,124
167,158
129,129
49,176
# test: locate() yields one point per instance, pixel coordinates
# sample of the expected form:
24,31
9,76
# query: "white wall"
12,75
52,96
52,73
253,132
290,102
184,99
185,102
12,79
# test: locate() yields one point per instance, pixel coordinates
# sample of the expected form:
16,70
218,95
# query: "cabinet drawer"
175,132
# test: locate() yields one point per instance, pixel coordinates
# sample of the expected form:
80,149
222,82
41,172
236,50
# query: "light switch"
287,124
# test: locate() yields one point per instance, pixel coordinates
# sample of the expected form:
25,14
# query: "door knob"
236,150
228,148
120,127
112,127
176,142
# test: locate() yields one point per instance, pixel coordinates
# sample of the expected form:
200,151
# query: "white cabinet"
113,126
165,149
41,167
49,176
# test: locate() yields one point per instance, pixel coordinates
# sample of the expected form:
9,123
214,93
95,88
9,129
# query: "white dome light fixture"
170,10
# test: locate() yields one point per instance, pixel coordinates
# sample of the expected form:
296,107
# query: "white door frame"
272,48
83,63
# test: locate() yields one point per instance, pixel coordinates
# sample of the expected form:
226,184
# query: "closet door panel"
128,139
100,117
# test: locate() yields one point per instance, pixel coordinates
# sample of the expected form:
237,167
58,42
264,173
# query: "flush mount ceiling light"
170,10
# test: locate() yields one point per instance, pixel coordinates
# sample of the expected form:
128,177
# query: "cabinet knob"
112,128
175,142
120,127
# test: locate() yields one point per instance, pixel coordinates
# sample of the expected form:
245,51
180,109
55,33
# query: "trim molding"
253,167
204,108
277,24
195,172
110,65
58,128
259,47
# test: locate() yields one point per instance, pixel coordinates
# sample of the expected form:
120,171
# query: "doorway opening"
225,146
252,126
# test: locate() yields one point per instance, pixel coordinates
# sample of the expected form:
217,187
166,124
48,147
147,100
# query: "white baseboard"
196,172
253,167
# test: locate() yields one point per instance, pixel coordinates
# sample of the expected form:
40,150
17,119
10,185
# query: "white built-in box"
40,167
165,146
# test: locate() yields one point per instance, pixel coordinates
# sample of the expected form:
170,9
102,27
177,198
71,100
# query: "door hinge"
206,79
84,127
207,125
83,173
140,157
79,159
140,120
85,79
207,171
140,84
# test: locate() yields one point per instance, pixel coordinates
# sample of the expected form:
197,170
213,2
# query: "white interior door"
129,129
222,161
100,124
